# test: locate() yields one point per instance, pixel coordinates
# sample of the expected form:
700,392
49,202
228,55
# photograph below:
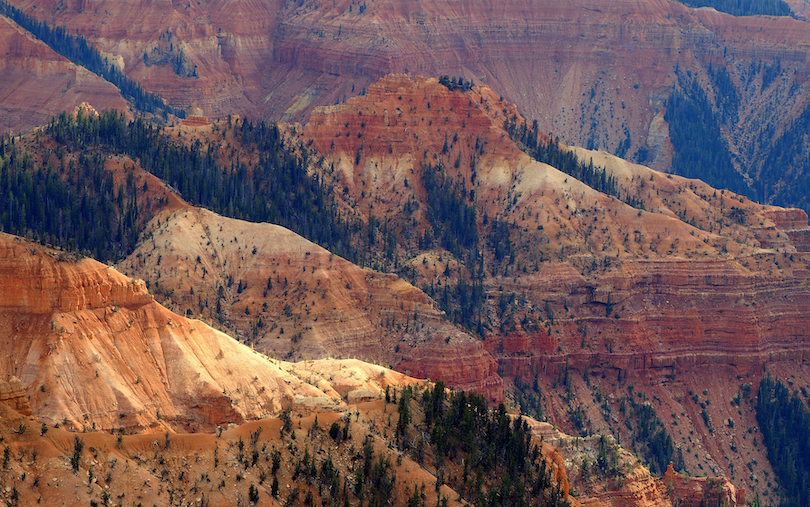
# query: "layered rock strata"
37,83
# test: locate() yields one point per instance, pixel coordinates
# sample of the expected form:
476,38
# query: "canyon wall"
597,75
37,83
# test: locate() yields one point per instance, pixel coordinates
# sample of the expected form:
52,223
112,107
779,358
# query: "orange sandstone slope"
94,350
37,83
294,300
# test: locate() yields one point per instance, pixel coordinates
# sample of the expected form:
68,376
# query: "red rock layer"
696,491
37,83
12,394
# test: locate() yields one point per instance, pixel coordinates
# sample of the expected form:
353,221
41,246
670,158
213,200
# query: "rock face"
598,75
294,300
12,394
94,349
37,83
674,277
696,491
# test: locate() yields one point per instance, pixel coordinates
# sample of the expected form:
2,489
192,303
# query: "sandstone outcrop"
240,461
694,492
13,395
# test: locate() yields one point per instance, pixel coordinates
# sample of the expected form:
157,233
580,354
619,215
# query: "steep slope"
297,459
294,300
598,75
37,83
94,350
662,279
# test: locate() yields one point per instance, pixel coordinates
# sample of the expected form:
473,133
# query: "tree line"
785,425
277,189
497,461
562,159
76,49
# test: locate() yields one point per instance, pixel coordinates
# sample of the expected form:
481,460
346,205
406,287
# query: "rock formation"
294,300
94,350
12,394
37,83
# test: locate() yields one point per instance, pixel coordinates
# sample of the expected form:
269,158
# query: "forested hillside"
703,116
74,205
785,424
100,219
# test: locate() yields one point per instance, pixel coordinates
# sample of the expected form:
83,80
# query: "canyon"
60,455
689,290
598,76
585,306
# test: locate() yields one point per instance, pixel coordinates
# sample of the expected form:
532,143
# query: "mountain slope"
37,83
94,350
294,300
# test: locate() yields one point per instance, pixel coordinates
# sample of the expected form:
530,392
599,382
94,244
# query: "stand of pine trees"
785,425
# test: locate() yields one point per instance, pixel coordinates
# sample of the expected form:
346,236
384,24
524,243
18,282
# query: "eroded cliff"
94,350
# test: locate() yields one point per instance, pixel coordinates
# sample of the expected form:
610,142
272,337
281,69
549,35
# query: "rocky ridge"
94,350
234,463
292,299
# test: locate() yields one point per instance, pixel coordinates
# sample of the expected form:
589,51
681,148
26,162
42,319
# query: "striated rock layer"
668,281
12,394
37,83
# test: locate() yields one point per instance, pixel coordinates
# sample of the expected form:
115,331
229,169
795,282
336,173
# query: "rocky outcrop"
13,395
696,491
37,83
